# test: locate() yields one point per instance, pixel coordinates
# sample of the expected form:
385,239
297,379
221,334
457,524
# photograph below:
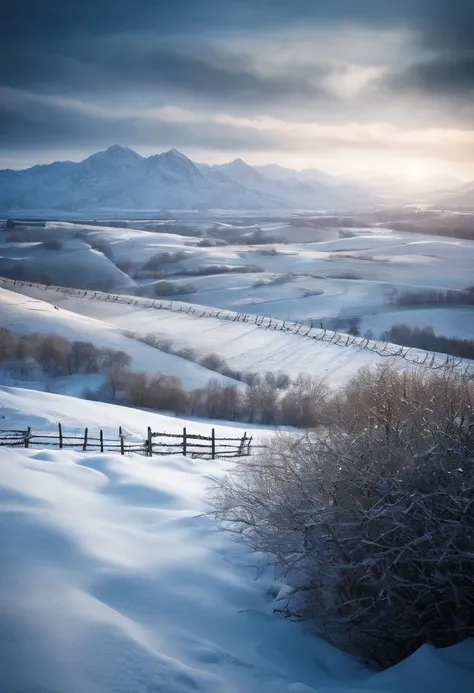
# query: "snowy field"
245,347
115,580
42,411
310,273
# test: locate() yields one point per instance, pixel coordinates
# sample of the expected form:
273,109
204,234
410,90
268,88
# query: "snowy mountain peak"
116,151
115,157
176,153
176,163
240,171
239,164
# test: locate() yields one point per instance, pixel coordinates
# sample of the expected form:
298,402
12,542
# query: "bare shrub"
279,380
281,279
219,402
304,402
158,259
211,242
53,244
213,362
126,266
261,403
372,519
164,289
208,270
186,353
283,381
85,357
8,344
159,392
54,355
165,393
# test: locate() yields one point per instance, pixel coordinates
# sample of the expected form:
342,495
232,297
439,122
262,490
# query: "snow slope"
244,346
42,411
114,580
74,264
25,315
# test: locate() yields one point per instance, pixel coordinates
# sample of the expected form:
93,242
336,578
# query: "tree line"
426,339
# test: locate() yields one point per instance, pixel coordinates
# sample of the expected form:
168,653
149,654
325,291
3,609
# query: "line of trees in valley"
426,339
427,297
57,356
259,401
269,399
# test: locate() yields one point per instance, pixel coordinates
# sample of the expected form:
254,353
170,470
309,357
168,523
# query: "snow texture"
114,580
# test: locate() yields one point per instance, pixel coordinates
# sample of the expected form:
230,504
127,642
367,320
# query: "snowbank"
113,581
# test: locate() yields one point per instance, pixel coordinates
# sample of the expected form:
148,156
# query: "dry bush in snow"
371,519
303,405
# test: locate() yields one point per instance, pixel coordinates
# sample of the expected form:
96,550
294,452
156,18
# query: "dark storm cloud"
444,76
106,69
165,51
86,45
442,22
30,122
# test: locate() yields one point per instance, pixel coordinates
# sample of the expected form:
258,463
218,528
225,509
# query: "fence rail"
416,357
154,443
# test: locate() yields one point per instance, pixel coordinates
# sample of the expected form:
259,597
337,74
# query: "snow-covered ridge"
380,350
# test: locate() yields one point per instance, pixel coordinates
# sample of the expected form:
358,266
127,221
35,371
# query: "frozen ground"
114,580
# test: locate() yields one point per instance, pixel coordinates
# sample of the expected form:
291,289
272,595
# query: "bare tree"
303,404
8,344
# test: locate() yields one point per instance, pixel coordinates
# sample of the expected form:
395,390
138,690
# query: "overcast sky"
343,85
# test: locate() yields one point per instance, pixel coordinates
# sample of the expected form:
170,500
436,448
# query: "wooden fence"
155,443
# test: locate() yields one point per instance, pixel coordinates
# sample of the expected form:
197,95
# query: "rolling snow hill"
244,345
115,579
25,315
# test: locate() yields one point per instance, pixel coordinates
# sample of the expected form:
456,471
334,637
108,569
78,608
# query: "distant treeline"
57,356
425,338
268,399
434,297
431,223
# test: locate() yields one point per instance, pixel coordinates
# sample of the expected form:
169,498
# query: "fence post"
122,449
60,436
84,447
184,442
149,442
242,444
213,444
27,437
248,445
101,435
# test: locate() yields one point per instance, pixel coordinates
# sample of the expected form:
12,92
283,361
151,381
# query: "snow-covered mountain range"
120,179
